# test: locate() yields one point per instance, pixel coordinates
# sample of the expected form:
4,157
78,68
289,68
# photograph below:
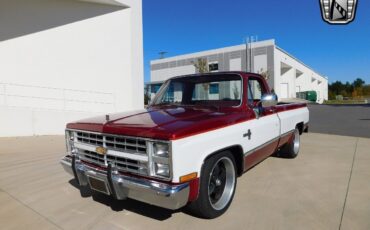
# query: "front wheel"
217,186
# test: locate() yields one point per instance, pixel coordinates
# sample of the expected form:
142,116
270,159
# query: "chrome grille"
128,165
126,144
92,157
121,163
119,143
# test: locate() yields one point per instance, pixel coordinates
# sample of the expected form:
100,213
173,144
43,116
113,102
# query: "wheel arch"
238,154
300,127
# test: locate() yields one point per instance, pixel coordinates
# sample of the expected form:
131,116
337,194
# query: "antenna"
162,54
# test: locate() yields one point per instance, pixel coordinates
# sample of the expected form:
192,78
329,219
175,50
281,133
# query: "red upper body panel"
175,122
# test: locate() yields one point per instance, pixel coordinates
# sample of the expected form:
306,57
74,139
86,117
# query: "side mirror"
269,100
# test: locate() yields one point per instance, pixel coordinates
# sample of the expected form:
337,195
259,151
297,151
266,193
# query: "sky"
340,52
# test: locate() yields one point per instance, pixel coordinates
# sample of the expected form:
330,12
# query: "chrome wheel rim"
296,142
221,183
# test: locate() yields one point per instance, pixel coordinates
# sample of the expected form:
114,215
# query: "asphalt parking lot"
346,120
326,187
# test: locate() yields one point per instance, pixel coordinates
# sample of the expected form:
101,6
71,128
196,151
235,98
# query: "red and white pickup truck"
189,146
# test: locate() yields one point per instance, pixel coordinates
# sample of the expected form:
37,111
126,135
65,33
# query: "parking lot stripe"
349,182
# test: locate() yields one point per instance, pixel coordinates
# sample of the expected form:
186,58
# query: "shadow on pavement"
138,207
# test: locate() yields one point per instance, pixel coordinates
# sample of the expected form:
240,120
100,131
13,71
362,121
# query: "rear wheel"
291,149
217,186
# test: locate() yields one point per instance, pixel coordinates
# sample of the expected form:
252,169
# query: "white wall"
303,81
236,64
260,63
63,60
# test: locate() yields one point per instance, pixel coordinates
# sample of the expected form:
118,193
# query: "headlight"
162,169
159,162
69,141
160,149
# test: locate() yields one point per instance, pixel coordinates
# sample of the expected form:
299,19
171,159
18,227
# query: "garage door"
284,90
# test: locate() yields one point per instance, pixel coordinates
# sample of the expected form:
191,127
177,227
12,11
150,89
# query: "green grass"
344,102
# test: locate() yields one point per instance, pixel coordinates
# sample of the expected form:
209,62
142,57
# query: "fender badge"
101,150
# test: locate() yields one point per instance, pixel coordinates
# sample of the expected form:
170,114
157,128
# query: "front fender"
189,154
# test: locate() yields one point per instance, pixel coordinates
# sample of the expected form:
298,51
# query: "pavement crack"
349,181
33,210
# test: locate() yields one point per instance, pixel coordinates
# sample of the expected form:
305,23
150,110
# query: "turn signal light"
188,177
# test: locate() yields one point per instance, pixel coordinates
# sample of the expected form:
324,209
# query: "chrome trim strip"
261,146
117,135
287,133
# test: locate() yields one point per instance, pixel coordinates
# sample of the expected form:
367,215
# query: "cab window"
255,92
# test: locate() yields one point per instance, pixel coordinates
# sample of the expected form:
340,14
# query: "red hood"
161,123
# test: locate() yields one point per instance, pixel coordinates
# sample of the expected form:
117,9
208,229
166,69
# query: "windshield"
209,90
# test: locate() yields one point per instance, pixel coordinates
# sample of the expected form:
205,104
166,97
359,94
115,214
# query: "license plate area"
98,185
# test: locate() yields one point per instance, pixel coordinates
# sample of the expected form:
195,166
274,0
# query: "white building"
286,74
63,60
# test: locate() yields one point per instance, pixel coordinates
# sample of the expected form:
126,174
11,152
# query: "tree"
201,65
358,83
344,93
357,92
264,74
336,87
348,88
331,95
146,95
366,90
355,89
236,91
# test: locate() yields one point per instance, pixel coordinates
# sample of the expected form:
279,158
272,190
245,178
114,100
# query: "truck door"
264,131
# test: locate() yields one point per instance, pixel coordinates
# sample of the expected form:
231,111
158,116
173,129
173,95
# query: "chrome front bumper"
122,187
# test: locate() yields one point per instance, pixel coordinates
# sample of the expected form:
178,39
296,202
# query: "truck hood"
161,123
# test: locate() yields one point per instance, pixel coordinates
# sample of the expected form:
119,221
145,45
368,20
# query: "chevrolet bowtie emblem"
101,150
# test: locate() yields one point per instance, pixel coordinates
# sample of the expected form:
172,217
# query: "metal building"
287,75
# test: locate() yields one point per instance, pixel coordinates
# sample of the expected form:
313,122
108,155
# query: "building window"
155,88
213,67
213,88
173,93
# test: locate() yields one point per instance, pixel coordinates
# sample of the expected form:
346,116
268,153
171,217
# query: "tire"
291,149
217,186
